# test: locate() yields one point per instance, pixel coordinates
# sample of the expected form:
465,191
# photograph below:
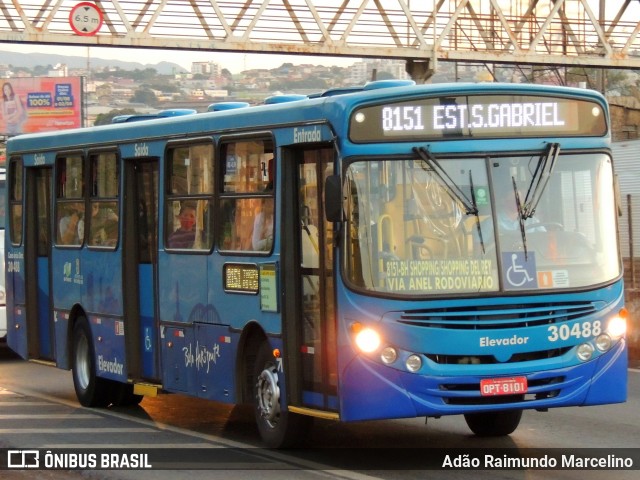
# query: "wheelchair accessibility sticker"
519,272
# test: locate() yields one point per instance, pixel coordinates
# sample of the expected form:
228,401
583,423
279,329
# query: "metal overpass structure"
589,33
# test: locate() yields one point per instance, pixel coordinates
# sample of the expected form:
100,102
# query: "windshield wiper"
454,191
475,212
521,217
539,181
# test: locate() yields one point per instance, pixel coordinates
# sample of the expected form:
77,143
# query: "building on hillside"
359,73
60,70
210,69
5,71
362,72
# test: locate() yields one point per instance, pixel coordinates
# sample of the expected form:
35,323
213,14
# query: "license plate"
503,386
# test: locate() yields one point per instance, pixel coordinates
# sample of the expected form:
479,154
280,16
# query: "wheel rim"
268,396
83,365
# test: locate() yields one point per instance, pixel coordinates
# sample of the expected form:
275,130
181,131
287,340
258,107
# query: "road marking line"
4,391
76,430
219,442
44,416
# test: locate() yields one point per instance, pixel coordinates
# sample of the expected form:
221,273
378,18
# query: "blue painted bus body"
205,325
453,389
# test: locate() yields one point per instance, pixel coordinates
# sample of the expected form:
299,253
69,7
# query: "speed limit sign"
85,19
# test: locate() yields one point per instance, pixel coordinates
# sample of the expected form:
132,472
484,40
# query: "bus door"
38,264
140,262
310,328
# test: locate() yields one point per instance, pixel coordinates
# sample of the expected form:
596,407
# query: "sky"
234,62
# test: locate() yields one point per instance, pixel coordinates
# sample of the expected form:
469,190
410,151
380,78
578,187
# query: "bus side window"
189,219
69,200
104,220
191,223
15,201
247,202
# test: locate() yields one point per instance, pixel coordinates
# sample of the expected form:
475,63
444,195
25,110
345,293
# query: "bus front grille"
490,359
492,317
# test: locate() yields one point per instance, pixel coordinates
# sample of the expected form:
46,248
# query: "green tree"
617,82
106,118
144,75
144,95
164,87
21,71
107,73
40,70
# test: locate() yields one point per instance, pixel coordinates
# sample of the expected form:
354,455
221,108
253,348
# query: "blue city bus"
3,305
393,251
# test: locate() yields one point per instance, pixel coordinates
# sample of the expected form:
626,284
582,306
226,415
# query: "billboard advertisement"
40,104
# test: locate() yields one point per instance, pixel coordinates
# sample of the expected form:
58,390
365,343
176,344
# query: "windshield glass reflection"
414,231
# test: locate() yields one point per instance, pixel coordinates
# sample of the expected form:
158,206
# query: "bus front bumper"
372,391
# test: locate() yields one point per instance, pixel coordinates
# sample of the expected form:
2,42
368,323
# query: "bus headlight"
367,340
585,351
617,326
413,363
388,355
603,342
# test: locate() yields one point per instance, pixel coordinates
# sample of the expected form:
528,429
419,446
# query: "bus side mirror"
333,198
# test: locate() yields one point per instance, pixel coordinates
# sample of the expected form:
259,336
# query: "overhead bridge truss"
593,33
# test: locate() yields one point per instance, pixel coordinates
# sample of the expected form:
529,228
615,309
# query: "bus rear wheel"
278,427
493,424
91,390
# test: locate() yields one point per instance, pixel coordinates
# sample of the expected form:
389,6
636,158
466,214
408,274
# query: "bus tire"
278,427
91,390
493,424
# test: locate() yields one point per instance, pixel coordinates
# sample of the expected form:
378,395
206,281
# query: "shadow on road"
6,353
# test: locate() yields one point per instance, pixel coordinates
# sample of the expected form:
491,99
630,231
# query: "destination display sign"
478,116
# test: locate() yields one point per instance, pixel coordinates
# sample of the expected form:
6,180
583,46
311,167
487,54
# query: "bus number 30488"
13,266
577,330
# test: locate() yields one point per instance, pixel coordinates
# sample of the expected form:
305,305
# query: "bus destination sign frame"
475,116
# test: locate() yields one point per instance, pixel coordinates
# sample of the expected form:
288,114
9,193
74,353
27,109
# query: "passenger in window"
71,225
262,238
104,226
185,235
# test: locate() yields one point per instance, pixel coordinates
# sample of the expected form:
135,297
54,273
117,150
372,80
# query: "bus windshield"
433,226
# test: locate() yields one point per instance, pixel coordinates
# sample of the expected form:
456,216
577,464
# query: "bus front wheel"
91,390
493,424
278,427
